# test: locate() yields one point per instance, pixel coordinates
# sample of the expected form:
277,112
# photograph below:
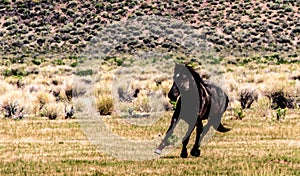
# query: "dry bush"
104,104
56,92
13,105
51,111
12,109
43,98
104,100
76,88
166,86
247,97
142,102
11,80
280,100
5,87
263,106
69,111
102,87
277,83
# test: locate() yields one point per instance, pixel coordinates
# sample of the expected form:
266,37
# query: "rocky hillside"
33,27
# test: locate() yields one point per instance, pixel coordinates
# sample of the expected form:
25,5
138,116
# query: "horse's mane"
196,75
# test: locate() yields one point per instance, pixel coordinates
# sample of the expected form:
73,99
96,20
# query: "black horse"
198,101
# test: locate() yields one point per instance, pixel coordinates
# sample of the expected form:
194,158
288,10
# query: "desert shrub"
58,62
5,2
247,97
20,83
165,86
36,61
43,98
142,104
74,40
69,112
12,109
280,114
99,6
68,93
239,113
288,9
18,72
55,92
86,72
74,64
279,100
5,87
72,4
104,104
50,110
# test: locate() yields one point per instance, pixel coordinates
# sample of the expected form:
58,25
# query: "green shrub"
288,9
5,2
18,72
239,113
58,62
280,114
84,72
36,61
74,64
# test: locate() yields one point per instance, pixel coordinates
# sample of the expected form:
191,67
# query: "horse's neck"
191,92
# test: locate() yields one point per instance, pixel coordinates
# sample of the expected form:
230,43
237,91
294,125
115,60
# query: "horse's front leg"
185,142
171,128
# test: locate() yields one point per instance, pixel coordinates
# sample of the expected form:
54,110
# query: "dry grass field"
254,146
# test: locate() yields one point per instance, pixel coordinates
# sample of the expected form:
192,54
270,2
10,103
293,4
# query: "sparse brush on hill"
37,27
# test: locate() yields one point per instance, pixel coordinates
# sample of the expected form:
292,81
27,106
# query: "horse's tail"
222,129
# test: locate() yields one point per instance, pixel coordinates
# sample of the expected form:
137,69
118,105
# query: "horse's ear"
176,64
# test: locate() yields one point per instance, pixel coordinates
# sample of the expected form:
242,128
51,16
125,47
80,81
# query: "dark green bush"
36,61
84,72
58,62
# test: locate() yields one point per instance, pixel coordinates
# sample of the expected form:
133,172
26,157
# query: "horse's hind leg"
192,124
195,150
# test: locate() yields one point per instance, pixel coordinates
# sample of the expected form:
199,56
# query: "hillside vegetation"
34,27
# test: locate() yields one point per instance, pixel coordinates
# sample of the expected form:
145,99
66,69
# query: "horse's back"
219,99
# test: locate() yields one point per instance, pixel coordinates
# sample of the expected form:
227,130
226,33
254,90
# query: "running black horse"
198,101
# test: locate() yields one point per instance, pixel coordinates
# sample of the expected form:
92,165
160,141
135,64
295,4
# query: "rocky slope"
34,27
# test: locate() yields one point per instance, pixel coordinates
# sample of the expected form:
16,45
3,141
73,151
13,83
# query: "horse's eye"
177,75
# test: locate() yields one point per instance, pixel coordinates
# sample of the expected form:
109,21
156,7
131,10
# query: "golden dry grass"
254,146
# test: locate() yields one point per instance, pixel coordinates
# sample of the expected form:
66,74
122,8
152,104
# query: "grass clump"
104,104
50,111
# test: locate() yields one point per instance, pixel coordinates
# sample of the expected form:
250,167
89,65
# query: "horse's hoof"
158,151
195,152
184,153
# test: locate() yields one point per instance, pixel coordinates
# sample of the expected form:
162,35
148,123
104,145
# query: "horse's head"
174,92
182,78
